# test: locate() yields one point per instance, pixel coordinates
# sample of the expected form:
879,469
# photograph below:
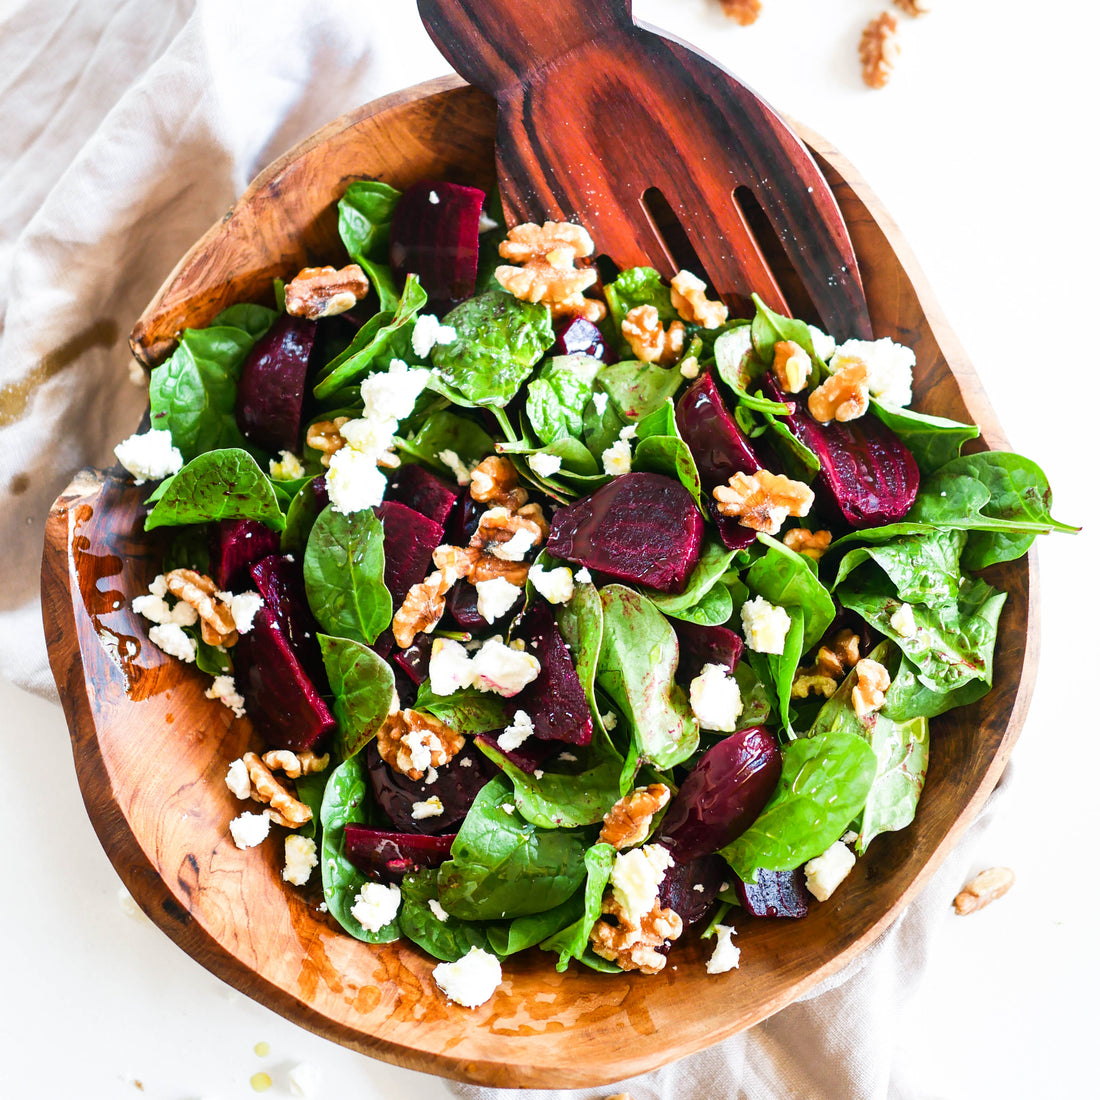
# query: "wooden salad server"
665,157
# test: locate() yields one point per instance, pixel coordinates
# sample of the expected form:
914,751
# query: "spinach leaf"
365,213
740,368
754,699
924,568
909,698
558,394
448,431
602,428
447,940
783,666
211,659
498,341
572,942
581,624
488,244
637,389
467,711
637,286
301,514
503,866
343,568
661,450
933,440
823,785
714,562
769,329
789,580
363,686
524,932
189,548
225,484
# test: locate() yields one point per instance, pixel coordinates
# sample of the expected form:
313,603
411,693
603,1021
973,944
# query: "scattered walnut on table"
745,12
810,544
317,292
324,436
634,947
627,822
872,682
844,395
988,886
879,50
200,591
689,299
411,741
914,7
285,809
649,340
763,500
791,366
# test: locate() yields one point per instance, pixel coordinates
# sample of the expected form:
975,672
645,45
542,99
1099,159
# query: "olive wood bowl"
151,751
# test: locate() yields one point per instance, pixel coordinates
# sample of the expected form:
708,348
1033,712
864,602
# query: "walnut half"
627,822
317,292
634,947
879,50
763,500
412,742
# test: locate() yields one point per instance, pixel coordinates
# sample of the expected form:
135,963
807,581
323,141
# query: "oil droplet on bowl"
262,1049
260,1082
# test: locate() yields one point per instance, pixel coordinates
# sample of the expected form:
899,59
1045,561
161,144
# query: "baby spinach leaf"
602,428
498,341
225,484
909,698
189,548
503,866
447,940
301,514
933,440
924,568
467,711
823,785
581,624
637,389
789,580
769,328
572,941
363,686
637,286
365,213
343,568
714,562
661,450
783,666
754,699
310,789
447,431
558,394
523,932
741,368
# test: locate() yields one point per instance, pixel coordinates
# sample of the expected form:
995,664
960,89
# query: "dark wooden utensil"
657,150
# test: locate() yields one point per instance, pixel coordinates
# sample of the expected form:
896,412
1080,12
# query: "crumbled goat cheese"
427,332
765,625
149,457
170,638
236,779
304,1080
903,622
610,720
716,699
466,762
689,368
824,345
567,758
224,689
636,876
629,432
501,669
515,548
508,808
392,394
376,905
725,955
157,610
496,597
243,608
582,576
890,368
430,775
538,773
354,481
300,853
554,585
698,887
517,732
545,465
850,837
287,467
825,873
421,743
470,981
616,459
731,347
485,224
158,586
599,403
250,829
433,198
455,464
430,807
450,668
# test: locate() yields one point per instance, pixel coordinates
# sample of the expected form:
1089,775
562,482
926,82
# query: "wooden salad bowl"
151,751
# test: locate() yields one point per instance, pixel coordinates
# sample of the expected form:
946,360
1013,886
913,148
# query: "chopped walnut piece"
914,7
988,886
295,764
285,808
422,609
833,659
844,395
509,535
810,544
317,292
791,366
689,299
627,822
879,50
324,436
763,500
411,742
634,947
869,694
200,591
649,340
745,12
548,253
495,480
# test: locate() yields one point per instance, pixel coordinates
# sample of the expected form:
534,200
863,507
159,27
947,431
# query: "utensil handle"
495,44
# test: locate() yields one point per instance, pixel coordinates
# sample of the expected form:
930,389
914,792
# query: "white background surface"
981,148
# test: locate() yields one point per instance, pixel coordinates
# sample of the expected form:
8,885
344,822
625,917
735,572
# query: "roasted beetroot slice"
462,605
278,579
554,699
286,709
719,448
414,660
867,474
576,336
387,857
409,539
234,545
723,794
705,645
273,384
774,894
641,528
434,235
678,889
530,755
456,786
420,489
464,519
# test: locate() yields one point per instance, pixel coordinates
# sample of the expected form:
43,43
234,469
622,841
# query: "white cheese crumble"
286,467
149,457
243,608
376,905
503,670
438,911
636,876
496,597
610,720
825,873
455,464
157,610
582,576
689,368
765,625
520,728
250,829
545,465
554,585
354,481
616,458
421,743
236,779
567,757
450,668
224,689
427,332
516,547
430,807
824,345
300,856
903,622
725,955
304,1080
508,808
599,403
630,431
731,347
470,981
433,198
170,638
890,368
716,699
485,224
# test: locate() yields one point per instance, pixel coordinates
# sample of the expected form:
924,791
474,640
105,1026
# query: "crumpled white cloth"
126,129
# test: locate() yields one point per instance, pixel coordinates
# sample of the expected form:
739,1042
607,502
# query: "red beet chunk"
774,894
463,522
723,794
420,489
278,579
462,605
234,545
867,474
705,645
719,448
273,384
434,235
641,528
414,660
286,709
387,857
409,539
576,336
678,888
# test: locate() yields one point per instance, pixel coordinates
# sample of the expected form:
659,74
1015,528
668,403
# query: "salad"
568,611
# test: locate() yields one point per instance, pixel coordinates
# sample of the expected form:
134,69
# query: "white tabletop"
982,149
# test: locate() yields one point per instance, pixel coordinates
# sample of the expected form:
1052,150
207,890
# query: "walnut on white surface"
844,395
689,299
745,12
317,292
914,7
989,885
879,50
324,436
649,340
763,500
634,947
285,809
411,742
872,682
627,822
810,544
791,366
200,591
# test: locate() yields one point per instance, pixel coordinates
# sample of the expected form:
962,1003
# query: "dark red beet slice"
285,707
464,520
642,528
462,605
576,336
414,660
410,538
719,448
456,786
867,474
234,545
705,645
384,643
774,894
272,385
387,857
723,794
320,492
418,488
678,888
278,579
434,235
532,754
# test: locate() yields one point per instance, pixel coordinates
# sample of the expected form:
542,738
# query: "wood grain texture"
151,751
